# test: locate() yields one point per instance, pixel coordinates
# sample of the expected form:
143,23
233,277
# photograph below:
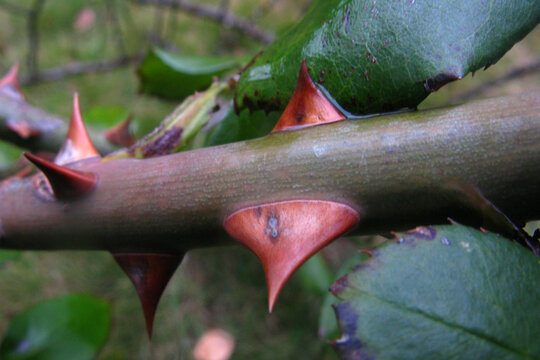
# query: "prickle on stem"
66,183
9,84
308,106
150,274
120,134
77,145
285,234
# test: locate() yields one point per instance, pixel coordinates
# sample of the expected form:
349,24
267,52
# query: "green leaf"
315,275
9,154
446,292
244,126
175,76
8,255
72,327
376,56
328,326
105,117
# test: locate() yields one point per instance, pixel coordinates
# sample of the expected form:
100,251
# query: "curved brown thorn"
120,134
9,84
150,274
285,234
66,183
78,145
308,106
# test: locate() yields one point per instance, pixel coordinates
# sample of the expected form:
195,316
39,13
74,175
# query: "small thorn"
150,274
120,134
66,183
285,234
78,145
22,128
9,84
308,106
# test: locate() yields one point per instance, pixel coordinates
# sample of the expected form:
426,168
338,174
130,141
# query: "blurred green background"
222,287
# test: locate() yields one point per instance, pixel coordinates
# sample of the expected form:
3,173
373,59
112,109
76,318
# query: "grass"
221,287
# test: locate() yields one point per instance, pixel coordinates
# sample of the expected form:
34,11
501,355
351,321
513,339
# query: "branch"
510,75
33,37
215,14
80,68
37,130
398,170
14,9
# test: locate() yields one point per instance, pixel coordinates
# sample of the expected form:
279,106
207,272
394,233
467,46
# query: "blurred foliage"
8,255
73,327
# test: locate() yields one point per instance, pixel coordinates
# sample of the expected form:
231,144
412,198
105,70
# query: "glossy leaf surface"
175,76
376,56
445,292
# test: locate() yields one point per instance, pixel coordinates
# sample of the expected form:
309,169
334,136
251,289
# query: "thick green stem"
398,170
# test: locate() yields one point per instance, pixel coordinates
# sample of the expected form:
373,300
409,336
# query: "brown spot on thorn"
285,234
308,106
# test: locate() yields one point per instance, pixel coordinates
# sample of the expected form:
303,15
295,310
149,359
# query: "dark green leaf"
376,56
244,126
446,292
73,327
176,76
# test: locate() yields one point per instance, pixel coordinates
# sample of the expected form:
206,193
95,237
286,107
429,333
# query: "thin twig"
116,28
215,14
14,9
224,8
79,68
510,75
33,38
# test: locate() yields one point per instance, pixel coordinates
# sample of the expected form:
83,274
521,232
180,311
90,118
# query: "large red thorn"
150,274
78,145
66,183
308,106
285,234
9,84
120,134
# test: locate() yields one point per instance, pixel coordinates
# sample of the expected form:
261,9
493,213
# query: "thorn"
150,274
66,183
308,106
22,128
285,234
9,84
78,145
120,134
